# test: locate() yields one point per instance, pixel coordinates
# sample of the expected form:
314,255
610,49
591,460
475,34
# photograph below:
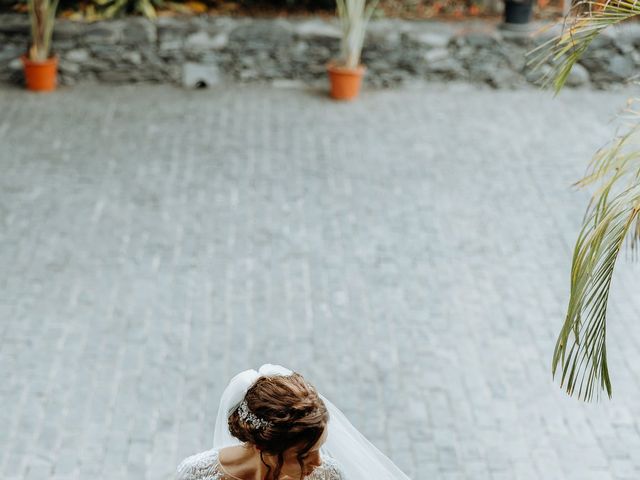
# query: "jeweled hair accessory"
249,417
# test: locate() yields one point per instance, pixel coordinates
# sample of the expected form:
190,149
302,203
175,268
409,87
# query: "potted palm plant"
612,217
40,68
345,73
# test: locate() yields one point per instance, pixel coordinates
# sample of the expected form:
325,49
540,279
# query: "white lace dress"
205,466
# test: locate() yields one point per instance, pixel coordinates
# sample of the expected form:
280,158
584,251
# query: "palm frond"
611,217
586,21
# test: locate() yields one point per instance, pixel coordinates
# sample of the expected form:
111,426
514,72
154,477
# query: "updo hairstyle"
297,414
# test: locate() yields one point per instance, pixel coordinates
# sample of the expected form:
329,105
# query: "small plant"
42,15
354,16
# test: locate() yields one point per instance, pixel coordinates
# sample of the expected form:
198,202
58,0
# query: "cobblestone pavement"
408,253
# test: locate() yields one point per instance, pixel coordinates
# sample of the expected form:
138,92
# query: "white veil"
358,458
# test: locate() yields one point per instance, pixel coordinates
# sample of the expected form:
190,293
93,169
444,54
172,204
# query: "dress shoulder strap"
329,470
201,466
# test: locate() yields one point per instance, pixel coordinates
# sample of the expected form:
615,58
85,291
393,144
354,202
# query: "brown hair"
297,414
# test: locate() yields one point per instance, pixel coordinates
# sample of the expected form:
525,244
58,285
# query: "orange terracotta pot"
40,76
345,82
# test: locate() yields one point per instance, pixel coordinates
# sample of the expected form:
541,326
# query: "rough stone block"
171,45
77,55
200,75
69,68
310,29
68,30
431,39
578,76
481,39
538,75
133,57
621,67
203,41
9,53
103,33
15,64
14,24
262,34
139,31
436,55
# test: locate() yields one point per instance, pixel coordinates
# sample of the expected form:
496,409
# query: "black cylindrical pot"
517,12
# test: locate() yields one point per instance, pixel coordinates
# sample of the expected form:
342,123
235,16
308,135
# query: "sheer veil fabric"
358,458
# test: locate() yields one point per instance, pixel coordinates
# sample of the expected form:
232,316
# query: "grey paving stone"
409,253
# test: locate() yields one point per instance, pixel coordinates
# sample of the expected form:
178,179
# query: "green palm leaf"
588,19
581,346
612,216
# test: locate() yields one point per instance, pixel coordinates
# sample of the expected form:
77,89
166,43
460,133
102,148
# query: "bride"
273,425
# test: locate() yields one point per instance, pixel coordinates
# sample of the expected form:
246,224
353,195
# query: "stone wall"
195,51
